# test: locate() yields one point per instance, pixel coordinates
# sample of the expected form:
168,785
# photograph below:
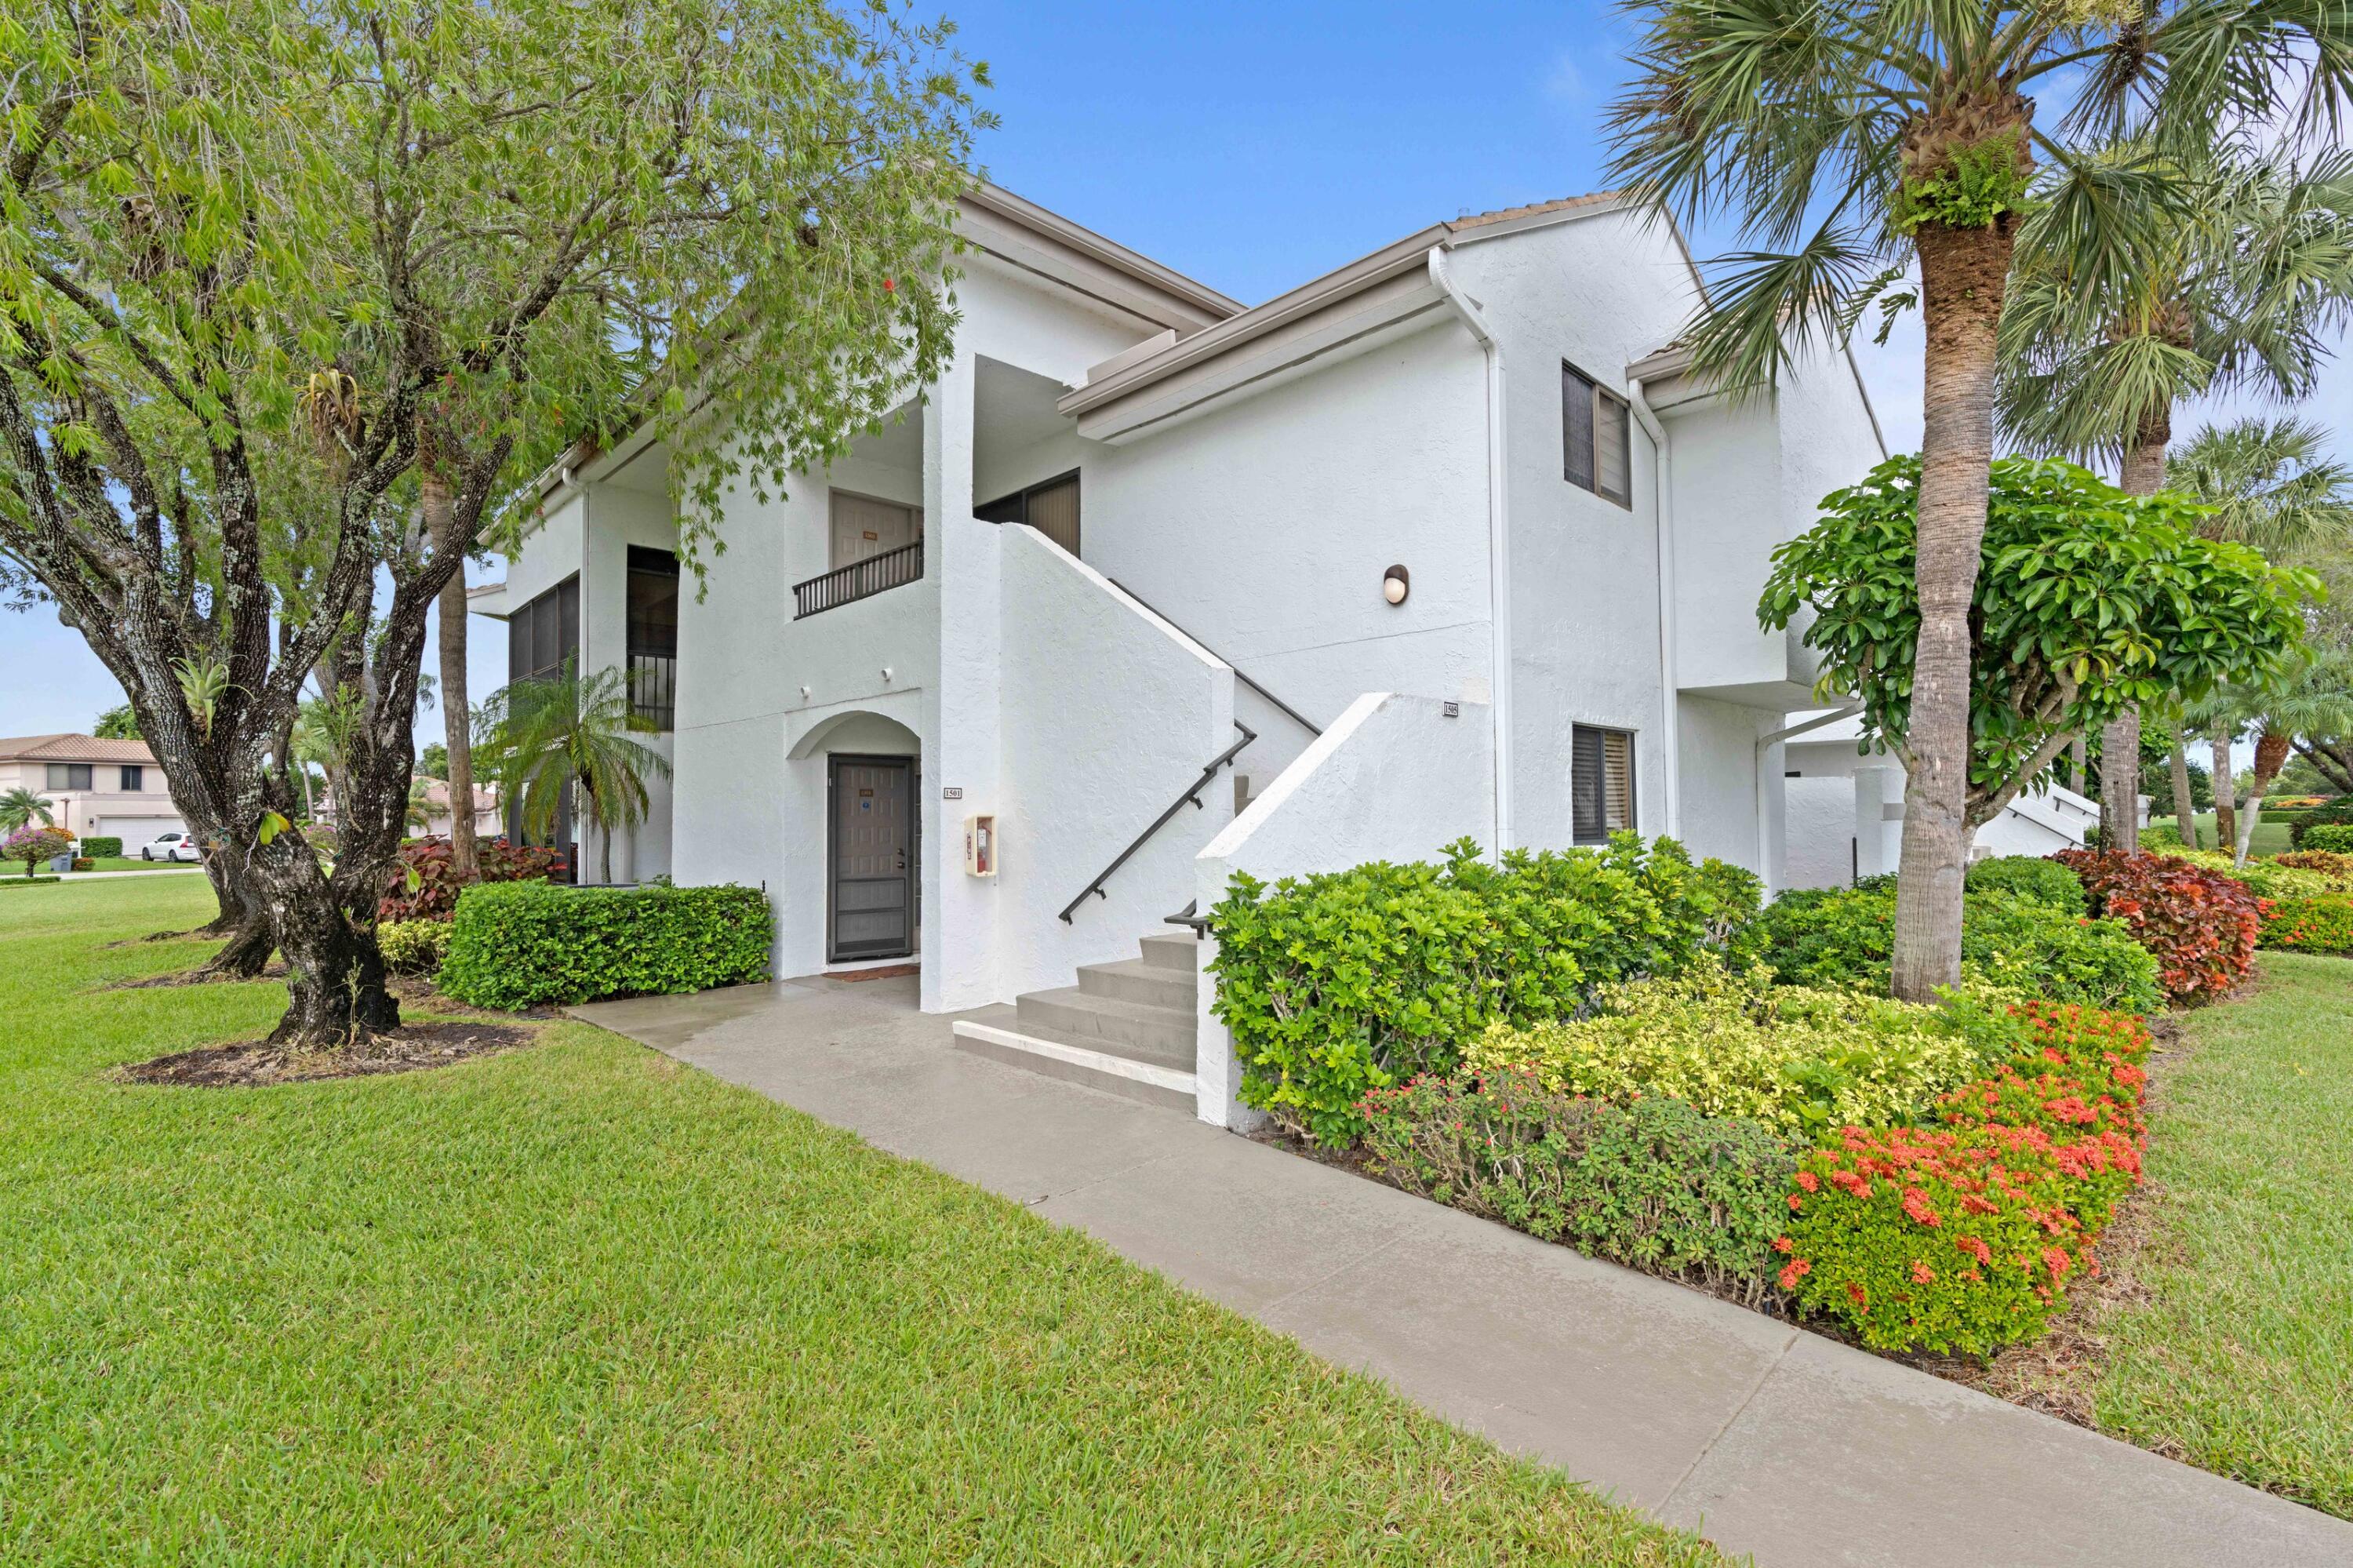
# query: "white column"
960,739
1878,819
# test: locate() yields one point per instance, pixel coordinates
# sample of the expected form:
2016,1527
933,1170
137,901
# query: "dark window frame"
77,775
1591,416
1015,507
558,605
1590,813
132,779
650,635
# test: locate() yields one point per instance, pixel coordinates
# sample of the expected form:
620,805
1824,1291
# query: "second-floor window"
68,776
544,633
134,779
1594,437
653,635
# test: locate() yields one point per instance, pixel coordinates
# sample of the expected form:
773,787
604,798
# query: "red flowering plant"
1947,1241
2322,923
423,886
2201,926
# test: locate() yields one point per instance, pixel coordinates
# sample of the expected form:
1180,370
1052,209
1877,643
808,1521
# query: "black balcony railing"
653,688
860,579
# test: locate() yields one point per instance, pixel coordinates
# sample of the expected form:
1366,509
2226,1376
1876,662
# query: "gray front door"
871,904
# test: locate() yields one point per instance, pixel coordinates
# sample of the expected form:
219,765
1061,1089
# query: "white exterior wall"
105,809
1393,777
618,519
1598,293
1719,779
1106,712
1263,526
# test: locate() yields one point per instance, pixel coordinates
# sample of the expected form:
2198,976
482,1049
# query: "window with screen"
541,636
134,779
1600,783
68,776
653,635
1597,454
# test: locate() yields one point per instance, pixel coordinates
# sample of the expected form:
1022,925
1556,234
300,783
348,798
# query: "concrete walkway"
1770,1440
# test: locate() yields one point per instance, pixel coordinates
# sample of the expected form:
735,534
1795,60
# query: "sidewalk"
1770,1440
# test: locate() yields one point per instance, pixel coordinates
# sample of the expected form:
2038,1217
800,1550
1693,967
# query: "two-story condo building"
1150,587
111,788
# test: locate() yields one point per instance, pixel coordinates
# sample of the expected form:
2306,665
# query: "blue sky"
1251,146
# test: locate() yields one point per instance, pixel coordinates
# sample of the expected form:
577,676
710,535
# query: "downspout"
1767,742
1499,576
1662,487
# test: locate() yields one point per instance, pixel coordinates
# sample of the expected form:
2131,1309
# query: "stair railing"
1191,792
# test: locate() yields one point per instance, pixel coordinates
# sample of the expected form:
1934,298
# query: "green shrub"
102,848
1738,1046
413,947
2320,923
2160,835
25,881
517,944
2334,866
2334,835
2265,878
2019,947
1653,1185
2030,876
1358,979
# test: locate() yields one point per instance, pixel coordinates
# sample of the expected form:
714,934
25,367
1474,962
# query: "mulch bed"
888,971
411,1048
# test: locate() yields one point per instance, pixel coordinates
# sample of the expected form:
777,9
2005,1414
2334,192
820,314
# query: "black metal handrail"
1289,712
1190,916
860,579
1191,792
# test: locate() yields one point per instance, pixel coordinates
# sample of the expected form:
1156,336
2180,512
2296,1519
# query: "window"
1596,453
544,633
1600,783
1052,508
653,635
134,779
68,776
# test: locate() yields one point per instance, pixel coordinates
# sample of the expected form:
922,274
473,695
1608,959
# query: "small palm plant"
20,808
573,731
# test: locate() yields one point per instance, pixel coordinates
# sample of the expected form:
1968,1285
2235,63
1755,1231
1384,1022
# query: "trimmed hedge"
519,944
12,880
2337,837
102,848
2019,946
2030,877
1358,979
1653,1185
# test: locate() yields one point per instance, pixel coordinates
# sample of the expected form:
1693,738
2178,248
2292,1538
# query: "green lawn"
133,862
578,1303
2271,836
2241,1359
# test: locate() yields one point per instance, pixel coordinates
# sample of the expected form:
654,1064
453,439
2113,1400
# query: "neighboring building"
96,788
1443,542
1846,811
439,819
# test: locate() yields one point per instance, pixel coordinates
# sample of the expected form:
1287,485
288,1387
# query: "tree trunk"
2079,759
2270,755
2226,815
2143,475
245,921
457,716
1962,272
336,980
2185,803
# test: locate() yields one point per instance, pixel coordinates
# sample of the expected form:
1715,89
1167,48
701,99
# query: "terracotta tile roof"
1504,215
73,748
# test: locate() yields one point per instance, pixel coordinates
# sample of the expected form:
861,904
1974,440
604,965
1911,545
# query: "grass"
579,1304
133,862
2270,834
2240,1360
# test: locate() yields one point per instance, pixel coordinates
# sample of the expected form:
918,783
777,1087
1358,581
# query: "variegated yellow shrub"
1736,1045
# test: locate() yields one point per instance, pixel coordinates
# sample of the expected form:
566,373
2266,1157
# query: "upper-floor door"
864,525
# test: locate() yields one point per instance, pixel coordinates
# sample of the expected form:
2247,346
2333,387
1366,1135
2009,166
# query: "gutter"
1499,577
1766,742
1663,506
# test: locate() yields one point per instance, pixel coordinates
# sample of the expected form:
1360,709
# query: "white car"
172,846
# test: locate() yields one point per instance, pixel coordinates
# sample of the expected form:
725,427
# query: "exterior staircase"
1127,1027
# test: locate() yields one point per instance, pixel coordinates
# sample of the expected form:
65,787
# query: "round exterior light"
1396,583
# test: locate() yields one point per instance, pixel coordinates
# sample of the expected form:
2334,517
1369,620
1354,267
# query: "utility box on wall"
980,846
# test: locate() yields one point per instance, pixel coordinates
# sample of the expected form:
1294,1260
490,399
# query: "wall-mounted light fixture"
1396,583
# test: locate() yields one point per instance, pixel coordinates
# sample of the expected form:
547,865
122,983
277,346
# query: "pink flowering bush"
34,845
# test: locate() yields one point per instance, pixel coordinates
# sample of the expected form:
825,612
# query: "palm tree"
573,731
2273,485
2315,696
2235,287
1858,139
21,808
309,742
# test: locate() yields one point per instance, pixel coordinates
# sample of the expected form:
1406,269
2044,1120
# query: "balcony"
860,579
653,688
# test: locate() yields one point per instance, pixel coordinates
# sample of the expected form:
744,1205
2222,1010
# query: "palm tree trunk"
2270,755
2144,475
1962,273
2079,762
2185,814
457,716
2226,815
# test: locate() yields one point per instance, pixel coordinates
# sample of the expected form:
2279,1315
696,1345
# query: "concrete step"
1162,1034
1135,980
1000,1034
1173,951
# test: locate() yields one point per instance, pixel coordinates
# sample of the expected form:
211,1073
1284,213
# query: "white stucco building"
1149,587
